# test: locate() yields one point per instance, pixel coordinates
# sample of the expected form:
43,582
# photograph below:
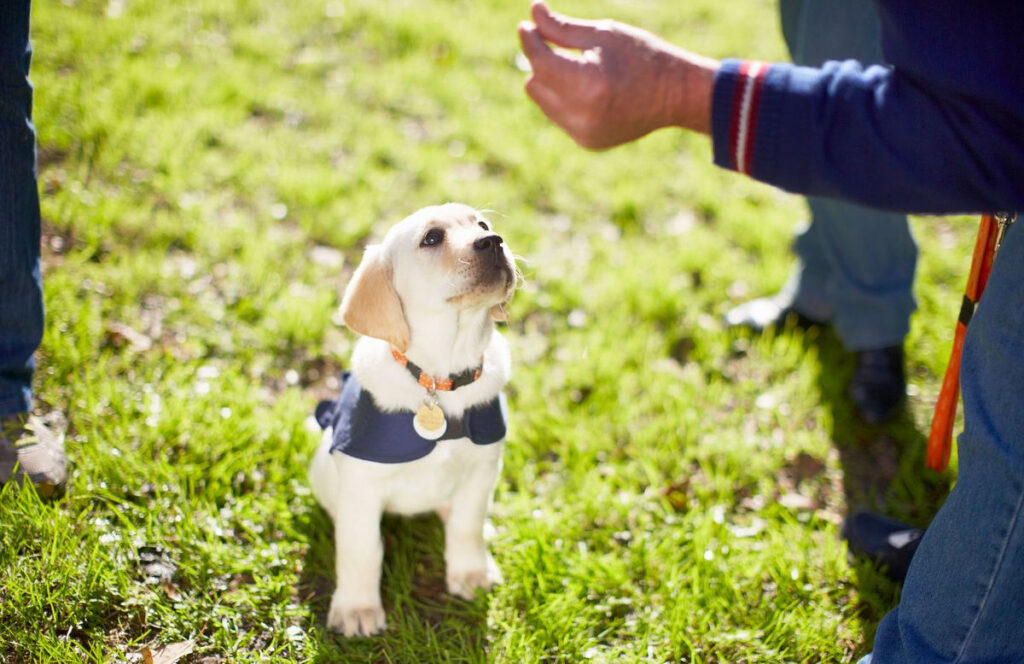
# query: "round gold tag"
429,422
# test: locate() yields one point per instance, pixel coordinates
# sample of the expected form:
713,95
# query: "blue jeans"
963,600
21,288
856,265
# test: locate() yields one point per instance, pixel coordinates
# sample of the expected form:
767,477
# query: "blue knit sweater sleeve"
867,135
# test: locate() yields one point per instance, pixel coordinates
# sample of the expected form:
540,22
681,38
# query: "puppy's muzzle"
491,253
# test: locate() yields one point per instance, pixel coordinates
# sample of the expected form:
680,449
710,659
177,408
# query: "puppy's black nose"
488,243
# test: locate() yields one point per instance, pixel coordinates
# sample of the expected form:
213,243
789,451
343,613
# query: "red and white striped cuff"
746,99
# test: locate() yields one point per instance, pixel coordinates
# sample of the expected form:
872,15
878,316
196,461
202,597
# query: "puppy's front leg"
469,565
356,608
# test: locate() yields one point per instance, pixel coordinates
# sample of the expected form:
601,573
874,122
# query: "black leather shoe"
888,543
878,384
765,312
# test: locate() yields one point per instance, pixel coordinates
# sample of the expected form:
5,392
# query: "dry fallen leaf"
168,654
805,467
172,590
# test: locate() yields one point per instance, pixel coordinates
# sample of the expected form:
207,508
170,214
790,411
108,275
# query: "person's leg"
21,296
853,262
963,600
858,260
871,258
27,447
855,265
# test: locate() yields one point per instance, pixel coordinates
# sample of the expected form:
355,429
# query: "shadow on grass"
883,467
425,624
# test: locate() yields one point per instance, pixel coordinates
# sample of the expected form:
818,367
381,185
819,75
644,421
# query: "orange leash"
940,440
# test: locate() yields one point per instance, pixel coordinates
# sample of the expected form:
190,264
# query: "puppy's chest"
431,482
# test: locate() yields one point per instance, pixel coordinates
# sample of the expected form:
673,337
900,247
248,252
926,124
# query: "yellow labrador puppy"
420,423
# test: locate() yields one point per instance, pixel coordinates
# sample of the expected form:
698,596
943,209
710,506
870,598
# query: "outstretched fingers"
552,67
563,30
539,54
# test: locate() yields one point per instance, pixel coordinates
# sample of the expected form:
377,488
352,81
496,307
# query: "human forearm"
686,92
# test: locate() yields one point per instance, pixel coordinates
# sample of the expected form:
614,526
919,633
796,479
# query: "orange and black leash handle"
940,440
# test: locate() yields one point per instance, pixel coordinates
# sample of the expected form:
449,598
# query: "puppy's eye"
433,237
484,226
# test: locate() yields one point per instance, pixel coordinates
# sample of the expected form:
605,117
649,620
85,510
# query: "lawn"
210,171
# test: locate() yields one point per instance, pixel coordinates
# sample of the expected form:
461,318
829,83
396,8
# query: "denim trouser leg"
21,295
963,600
856,265
856,269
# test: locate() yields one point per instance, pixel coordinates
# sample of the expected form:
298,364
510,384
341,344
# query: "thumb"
563,30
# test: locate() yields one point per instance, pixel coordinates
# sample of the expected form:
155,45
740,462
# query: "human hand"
623,82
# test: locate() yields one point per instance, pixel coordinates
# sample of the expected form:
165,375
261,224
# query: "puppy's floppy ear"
498,313
371,305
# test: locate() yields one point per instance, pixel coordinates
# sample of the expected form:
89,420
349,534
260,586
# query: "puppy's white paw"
465,583
355,621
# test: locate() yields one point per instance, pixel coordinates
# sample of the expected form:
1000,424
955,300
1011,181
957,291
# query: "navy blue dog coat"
364,431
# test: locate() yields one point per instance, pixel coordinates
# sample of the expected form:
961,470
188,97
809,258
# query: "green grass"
210,171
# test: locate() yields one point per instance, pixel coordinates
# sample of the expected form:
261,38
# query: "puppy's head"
441,258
